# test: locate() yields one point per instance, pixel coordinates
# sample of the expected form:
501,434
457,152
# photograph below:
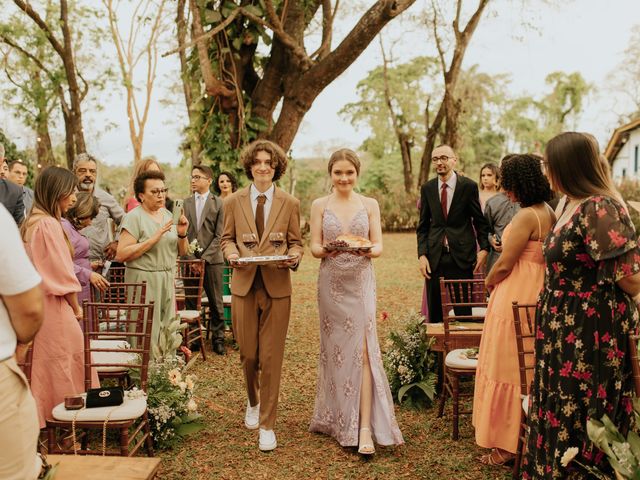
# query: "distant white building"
623,152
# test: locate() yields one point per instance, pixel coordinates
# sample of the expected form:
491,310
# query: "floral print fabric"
583,369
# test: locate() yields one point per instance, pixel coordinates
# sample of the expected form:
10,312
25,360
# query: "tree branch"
327,29
28,9
27,54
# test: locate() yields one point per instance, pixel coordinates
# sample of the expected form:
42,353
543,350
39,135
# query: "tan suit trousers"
18,425
260,326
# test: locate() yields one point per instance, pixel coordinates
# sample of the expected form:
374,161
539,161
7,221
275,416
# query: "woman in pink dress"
58,348
516,276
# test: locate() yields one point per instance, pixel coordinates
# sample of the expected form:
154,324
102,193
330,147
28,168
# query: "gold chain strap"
104,429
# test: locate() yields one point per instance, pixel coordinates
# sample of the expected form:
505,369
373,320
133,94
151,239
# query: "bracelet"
182,236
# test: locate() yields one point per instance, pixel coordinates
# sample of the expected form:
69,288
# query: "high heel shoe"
366,448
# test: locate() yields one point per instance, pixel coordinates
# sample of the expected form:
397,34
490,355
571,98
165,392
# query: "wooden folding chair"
130,418
458,295
120,293
189,282
524,321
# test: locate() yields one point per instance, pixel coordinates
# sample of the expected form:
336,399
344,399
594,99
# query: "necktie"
260,214
443,200
199,207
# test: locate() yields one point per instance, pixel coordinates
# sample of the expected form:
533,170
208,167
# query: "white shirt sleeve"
17,274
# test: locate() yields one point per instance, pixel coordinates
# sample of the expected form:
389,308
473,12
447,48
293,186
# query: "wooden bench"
72,467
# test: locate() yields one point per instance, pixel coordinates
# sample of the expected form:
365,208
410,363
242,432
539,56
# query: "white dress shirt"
254,193
451,187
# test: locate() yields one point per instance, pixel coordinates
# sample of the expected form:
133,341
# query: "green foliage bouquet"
173,412
410,364
623,453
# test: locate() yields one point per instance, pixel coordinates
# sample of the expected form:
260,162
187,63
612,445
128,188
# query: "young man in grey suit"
204,212
18,173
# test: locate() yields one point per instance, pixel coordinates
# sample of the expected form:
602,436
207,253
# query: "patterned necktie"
443,200
260,214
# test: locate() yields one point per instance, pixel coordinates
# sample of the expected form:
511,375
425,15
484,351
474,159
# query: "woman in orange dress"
58,348
518,275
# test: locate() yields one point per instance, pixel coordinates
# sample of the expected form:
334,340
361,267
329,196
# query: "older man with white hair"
101,245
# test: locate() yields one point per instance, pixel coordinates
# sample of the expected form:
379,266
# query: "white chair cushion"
458,359
525,404
130,409
226,299
188,314
112,357
475,311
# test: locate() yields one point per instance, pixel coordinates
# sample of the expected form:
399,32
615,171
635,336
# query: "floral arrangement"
195,248
173,411
622,453
410,364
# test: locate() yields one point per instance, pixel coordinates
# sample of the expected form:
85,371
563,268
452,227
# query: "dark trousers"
213,288
450,270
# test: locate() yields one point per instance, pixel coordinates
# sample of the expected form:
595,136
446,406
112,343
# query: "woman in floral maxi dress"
585,313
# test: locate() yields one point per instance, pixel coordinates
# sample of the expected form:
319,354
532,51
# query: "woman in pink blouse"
58,348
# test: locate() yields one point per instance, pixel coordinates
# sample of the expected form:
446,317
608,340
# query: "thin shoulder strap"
539,226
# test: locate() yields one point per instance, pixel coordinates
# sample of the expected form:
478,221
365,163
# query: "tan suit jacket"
284,216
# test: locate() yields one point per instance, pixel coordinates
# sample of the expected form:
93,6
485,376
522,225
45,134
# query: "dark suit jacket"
465,225
284,216
211,225
11,198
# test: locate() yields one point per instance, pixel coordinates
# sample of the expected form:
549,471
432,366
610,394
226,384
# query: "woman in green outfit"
149,247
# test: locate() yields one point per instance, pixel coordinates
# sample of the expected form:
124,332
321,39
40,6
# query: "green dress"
156,266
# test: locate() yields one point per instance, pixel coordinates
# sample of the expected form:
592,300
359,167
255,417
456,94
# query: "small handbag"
104,397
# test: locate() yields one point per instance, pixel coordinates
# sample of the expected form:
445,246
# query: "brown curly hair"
279,158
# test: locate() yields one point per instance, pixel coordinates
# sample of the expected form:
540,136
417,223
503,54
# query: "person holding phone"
149,245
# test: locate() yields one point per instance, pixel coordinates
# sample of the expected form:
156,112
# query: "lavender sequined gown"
347,307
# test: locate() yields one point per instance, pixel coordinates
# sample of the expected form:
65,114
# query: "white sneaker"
252,416
267,440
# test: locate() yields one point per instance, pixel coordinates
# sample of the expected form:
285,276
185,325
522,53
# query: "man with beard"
100,247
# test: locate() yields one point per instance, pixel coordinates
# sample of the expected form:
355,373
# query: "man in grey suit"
10,194
18,173
204,212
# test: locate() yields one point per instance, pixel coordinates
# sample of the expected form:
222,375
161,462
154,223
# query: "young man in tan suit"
261,295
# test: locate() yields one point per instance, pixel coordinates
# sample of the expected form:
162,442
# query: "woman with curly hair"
518,275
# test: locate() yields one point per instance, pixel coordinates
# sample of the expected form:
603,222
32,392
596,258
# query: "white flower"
190,381
175,377
402,369
568,456
183,386
192,406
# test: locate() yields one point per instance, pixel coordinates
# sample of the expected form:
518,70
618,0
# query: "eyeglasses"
159,193
442,158
198,177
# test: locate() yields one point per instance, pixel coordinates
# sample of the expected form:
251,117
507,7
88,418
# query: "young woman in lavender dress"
353,401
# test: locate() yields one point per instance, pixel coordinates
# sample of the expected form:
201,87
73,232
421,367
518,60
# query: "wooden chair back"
116,274
635,365
454,294
136,320
189,282
524,321
121,293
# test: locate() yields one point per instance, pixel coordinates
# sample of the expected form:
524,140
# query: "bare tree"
449,108
140,45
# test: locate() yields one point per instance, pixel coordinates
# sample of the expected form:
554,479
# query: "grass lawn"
226,450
